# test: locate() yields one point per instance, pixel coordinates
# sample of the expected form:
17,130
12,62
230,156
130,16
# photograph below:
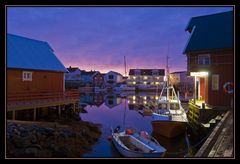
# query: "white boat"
135,144
169,118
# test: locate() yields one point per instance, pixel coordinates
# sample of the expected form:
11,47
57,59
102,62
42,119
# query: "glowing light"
156,83
134,102
165,78
145,77
144,82
198,73
134,82
134,77
134,97
145,98
145,102
156,97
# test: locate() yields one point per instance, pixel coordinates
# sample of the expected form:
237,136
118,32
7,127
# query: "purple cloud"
97,38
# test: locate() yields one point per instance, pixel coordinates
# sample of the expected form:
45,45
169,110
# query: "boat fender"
144,134
129,131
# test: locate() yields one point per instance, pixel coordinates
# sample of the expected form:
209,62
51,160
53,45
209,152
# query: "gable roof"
73,69
88,73
114,73
25,53
210,32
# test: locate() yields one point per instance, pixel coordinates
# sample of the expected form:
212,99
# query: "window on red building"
204,59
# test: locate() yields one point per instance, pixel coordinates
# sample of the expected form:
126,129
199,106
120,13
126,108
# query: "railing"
26,96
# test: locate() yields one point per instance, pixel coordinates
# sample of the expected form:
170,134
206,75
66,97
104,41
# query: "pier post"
59,111
74,107
194,91
13,115
34,114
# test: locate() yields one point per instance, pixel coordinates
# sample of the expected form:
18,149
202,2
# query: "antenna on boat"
125,66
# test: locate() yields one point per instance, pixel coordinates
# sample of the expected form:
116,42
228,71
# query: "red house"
98,79
210,58
34,73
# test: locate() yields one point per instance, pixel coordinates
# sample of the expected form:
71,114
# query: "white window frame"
202,57
27,76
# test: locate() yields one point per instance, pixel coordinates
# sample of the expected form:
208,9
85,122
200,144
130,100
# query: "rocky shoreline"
50,139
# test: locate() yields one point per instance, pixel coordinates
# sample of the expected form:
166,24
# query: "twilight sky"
97,38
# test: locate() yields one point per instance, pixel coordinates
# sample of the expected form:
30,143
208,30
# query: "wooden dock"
220,143
38,100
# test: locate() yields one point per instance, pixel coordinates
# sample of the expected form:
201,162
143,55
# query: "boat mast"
125,98
167,76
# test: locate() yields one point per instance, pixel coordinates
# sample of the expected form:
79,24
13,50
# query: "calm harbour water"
111,110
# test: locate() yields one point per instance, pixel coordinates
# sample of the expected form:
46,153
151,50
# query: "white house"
112,78
146,77
73,74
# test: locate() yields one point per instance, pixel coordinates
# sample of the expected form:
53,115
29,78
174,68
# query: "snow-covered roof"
25,53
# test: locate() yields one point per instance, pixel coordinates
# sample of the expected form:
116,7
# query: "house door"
197,89
202,88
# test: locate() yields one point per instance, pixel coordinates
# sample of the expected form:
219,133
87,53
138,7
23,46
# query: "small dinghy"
133,144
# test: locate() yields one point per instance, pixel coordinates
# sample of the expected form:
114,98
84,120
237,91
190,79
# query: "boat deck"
126,141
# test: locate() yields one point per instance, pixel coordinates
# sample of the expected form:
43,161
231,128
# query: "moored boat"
169,119
133,144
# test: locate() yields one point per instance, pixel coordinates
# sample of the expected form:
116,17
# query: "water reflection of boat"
176,147
133,144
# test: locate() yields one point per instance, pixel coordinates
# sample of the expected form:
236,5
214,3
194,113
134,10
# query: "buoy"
228,87
129,131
